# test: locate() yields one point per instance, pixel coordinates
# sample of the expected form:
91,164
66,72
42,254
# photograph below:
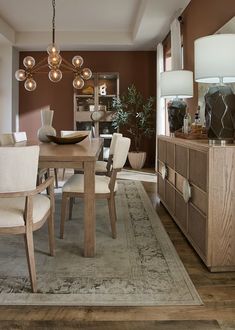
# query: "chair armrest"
47,183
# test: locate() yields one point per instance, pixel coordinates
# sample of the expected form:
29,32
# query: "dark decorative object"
67,139
176,113
220,113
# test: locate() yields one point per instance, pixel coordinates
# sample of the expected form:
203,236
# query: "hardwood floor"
217,291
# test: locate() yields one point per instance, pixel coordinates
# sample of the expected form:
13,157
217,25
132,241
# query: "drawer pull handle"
186,191
164,172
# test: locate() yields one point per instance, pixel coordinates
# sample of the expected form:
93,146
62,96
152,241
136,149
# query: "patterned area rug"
137,176
139,268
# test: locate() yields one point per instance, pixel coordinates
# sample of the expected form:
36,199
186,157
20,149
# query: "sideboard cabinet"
196,183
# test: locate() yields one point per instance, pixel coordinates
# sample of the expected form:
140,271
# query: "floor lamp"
215,63
176,85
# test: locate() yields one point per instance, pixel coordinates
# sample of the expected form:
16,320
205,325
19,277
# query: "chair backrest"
120,152
66,133
20,136
113,142
18,168
6,139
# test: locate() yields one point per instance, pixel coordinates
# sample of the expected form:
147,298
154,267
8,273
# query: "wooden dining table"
78,156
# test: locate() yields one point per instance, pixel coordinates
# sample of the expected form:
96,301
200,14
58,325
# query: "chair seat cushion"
100,166
76,184
11,210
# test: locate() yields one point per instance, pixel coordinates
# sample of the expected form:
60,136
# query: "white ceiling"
88,24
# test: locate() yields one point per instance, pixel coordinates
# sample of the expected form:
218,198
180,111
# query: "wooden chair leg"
64,211
112,215
56,177
51,233
28,238
63,175
71,202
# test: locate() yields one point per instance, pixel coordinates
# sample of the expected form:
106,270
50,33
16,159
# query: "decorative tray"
68,139
192,135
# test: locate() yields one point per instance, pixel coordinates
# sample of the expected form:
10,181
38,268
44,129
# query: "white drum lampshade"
177,83
214,58
214,63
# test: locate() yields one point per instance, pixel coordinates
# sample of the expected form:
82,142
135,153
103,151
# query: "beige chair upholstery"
105,187
22,208
102,167
6,139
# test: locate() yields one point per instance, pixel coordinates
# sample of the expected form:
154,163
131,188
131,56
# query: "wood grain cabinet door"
170,197
162,150
181,211
170,154
197,229
160,187
181,160
198,168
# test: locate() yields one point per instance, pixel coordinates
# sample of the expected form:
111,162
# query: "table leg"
89,209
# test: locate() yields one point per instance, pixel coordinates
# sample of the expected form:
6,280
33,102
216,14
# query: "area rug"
137,176
139,268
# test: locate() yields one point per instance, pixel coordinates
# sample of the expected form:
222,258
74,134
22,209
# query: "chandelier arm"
68,63
36,70
39,64
68,67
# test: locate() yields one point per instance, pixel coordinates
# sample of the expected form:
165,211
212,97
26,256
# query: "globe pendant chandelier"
55,63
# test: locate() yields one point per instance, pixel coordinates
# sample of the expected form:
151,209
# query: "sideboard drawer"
181,211
181,160
197,224
170,154
170,197
161,187
162,150
198,168
199,199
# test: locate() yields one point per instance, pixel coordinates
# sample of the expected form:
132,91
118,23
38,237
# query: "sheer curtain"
176,52
160,118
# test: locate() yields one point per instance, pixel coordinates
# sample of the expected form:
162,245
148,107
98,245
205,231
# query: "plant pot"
137,159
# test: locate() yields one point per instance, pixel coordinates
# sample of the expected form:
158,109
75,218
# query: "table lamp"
176,85
215,63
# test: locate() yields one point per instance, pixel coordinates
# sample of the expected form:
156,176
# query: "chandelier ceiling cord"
54,62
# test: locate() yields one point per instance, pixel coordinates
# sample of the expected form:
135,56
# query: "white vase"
46,129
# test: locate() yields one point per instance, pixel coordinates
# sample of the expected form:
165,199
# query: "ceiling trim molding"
7,31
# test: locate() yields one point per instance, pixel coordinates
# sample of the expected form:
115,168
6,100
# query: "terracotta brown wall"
134,67
201,18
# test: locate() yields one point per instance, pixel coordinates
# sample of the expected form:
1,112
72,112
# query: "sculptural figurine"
176,113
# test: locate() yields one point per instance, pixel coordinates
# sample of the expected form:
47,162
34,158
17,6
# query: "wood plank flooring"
217,291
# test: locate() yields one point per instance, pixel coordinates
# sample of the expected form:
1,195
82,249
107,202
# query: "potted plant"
134,115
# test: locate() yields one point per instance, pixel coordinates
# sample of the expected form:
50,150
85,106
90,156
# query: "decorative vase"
176,113
46,129
137,159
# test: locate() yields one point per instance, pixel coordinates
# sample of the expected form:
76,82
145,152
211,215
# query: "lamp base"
176,112
220,114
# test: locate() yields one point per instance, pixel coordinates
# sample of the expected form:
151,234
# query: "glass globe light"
54,60
86,73
55,75
77,61
20,75
53,49
29,62
30,84
78,82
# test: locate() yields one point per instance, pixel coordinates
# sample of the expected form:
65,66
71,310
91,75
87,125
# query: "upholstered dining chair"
6,139
102,167
105,187
22,208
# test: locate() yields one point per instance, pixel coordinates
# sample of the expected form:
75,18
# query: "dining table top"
86,150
